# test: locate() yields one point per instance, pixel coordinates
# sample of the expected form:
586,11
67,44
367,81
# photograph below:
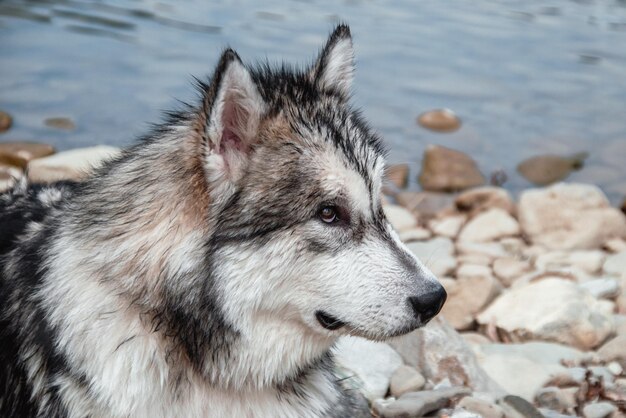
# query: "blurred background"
524,79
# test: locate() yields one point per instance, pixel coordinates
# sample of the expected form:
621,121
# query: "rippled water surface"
525,77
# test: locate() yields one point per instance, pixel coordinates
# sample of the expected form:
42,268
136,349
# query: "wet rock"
440,352
517,407
599,410
371,363
550,310
523,369
489,226
480,199
76,164
557,399
25,151
507,269
62,123
604,288
447,226
5,121
436,254
418,404
406,379
400,218
467,296
415,234
614,350
445,169
547,169
615,264
426,204
481,407
439,120
552,217
398,175
590,261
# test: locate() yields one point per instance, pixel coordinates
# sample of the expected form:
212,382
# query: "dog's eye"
328,214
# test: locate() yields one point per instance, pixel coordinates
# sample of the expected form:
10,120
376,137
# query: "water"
526,78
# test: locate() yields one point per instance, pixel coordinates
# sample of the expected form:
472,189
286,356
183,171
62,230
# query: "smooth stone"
615,368
557,399
604,288
441,353
507,269
439,120
418,404
599,410
553,217
468,295
5,121
489,226
436,254
62,123
398,175
461,413
615,264
405,379
75,165
548,413
400,218
547,169
518,407
26,151
514,245
447,226
415,234
481,407
615,245
445,169
476,259
614,350
372,363
425,204
492,250
475,338
590,261
550,309
483,198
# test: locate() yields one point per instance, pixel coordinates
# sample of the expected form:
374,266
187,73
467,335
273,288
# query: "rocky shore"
535,323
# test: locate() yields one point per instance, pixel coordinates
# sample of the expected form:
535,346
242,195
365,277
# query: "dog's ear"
334,68
233,114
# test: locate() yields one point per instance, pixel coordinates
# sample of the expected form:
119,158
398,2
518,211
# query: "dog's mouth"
328,322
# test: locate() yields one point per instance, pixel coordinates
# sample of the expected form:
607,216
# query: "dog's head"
298,229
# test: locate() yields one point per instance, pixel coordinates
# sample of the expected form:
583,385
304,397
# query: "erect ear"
334,68
233,115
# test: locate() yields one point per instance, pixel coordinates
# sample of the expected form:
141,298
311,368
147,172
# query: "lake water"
526,78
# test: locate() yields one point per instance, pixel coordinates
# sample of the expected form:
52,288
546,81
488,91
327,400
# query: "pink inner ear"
233,117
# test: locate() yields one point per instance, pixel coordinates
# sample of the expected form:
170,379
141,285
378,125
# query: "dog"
208,270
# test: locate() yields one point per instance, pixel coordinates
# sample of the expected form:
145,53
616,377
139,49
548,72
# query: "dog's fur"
185,277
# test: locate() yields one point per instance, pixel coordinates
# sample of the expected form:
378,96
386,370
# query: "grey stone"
417,404
406,379
518,407
603,288
481,407
599,410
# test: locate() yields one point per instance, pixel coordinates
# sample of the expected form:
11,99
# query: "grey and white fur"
209,269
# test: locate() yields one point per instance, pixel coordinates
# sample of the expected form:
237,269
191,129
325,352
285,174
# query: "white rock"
615,264
551,310
472,270
481,407
489,226
614,350
467,296
599,410
522,369
372,363
589,261
476,259
448,226
436,254
553,217
507,269
400,218
604,288
615,368
615,245
492,250
415,234
406,379
440,353
75,164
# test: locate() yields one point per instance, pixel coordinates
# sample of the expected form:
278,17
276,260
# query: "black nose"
428,305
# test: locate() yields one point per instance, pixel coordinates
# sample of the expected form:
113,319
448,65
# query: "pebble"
483,408
62,123
557,399
590,261
5,121
615,264
436,254
398,175
400,218
615,368
492,250
547,169
489,226
516,406
447,226
599,410
507,269
474,289
614,350
484,198
439,120
445,170
614,245
26,151
415,234
417,404
427,204
603,288
405,379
